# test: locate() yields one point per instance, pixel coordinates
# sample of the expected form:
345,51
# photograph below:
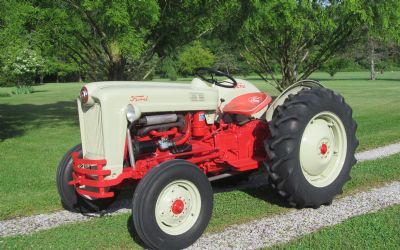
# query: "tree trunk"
288,76
372,58
116,70
41,79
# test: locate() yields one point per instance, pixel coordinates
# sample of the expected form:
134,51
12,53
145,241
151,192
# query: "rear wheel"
70,199
172,205
312,147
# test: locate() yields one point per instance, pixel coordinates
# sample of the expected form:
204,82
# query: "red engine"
223,146
232,144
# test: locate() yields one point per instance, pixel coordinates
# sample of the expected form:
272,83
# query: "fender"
291,90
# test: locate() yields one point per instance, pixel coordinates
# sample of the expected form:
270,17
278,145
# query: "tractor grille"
91,132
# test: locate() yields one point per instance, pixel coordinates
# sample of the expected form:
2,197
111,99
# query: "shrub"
193,57
22,89
4,95
22,67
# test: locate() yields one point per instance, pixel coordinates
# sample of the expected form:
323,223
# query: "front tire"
172,205
312,147
70,199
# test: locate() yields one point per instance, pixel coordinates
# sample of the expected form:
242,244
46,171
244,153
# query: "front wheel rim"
323,149
178,207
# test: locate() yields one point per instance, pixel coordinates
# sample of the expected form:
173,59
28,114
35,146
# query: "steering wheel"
201,72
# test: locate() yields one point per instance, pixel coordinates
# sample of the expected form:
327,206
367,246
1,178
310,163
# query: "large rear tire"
312,147
70,199
172,205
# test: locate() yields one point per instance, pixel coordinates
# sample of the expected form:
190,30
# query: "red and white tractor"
171,139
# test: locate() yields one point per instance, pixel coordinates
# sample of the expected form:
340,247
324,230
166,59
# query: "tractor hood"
153,96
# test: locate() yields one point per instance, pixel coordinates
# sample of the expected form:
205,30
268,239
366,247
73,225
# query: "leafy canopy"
300,36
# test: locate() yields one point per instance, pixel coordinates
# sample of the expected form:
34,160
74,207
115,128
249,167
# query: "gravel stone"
378,152
31,224
283,228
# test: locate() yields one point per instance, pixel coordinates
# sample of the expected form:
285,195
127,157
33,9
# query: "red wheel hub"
178,206
323,149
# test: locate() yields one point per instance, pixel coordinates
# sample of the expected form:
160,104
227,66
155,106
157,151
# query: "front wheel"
312,147
172,205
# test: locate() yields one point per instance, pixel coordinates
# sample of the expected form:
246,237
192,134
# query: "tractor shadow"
133,233
253,185
16,120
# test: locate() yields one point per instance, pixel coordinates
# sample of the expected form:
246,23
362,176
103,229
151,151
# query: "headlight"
131,113
84,95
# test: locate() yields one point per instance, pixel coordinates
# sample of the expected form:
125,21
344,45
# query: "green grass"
229,208
378,230
37,129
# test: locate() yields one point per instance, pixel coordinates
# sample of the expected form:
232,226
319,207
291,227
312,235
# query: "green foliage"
4,95
172,74
120,40
168,69
22,90
300,36
384,20
296,35
25,41
195,56
334,65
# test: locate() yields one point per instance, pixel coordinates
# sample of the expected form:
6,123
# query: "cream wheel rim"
178,207
323,149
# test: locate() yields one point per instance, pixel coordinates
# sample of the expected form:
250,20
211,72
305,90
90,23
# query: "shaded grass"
37,129
230,208
378,230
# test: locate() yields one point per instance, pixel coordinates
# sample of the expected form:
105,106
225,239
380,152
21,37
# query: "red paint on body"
248,104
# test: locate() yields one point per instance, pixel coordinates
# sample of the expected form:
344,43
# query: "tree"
382,29
333,65
21,37
299,36
119,40
195,56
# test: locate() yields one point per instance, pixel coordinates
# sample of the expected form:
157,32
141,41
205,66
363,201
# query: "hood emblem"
255,99
139,98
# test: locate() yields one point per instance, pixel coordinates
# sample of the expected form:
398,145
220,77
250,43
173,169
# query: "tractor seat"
248,104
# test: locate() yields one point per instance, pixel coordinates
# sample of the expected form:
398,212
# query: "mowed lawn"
37,129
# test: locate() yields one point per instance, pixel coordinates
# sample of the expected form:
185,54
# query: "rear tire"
312,147
70,199
172,205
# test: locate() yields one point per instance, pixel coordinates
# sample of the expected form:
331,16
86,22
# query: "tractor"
171,140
